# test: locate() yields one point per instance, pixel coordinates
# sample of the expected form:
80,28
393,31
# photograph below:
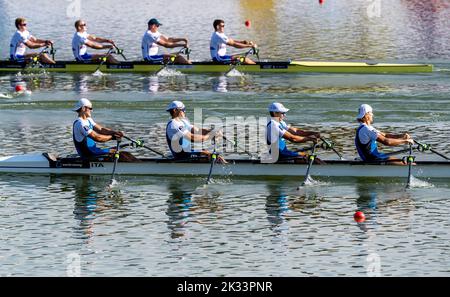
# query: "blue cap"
154,22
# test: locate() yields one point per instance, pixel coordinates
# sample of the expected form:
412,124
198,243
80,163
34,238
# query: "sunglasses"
82,25
23,25
90,108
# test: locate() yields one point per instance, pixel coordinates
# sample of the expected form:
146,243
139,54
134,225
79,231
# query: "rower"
367,137
86,132
219,42
82,40
152,38
180,134
23,39
278,131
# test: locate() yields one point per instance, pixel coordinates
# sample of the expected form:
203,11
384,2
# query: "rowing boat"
206,67
51,164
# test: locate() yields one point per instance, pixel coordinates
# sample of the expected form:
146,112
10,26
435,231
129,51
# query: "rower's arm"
300,132
100,137
195,137
384,139
163,41
100,39
96,45
238,44
33,45
106,131
298,139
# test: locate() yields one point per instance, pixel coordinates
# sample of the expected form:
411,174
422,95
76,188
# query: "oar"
172,58
311,158
116,159
140,143
410,160
213,161
240,60
119,51
329,145
427,147
397,152
104,59
235,144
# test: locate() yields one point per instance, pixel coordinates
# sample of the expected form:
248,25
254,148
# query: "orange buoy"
359,217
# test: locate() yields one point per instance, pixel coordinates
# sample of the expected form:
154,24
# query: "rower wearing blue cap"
152,38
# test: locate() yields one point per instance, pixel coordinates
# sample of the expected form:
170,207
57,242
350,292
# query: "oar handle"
422,147
140,143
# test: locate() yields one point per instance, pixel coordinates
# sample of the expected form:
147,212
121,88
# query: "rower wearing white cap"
180,134
367,137
86,132
278,131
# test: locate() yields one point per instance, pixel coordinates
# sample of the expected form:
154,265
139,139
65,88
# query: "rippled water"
171,226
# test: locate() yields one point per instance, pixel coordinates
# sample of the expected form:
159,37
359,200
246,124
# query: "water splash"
418,183
234,73
167,72
98,73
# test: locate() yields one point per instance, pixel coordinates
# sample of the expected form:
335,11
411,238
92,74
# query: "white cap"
174,105
82,103
363,109
277,107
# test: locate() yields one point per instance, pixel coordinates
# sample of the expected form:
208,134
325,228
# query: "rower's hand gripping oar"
140,143
116,160
422,147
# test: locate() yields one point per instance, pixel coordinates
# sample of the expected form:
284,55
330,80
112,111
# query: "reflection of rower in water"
178,210
86,132
278,132
23,39
367,137
276,207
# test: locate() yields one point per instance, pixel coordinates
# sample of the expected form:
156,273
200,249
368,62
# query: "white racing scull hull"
43,164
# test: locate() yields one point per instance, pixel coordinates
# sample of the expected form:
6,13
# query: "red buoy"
321,2
19,88
359,217
248,23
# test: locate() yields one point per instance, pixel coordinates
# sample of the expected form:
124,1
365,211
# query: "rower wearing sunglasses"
180,134
82,40
278,132
23,39
86,134
219,42
152,38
